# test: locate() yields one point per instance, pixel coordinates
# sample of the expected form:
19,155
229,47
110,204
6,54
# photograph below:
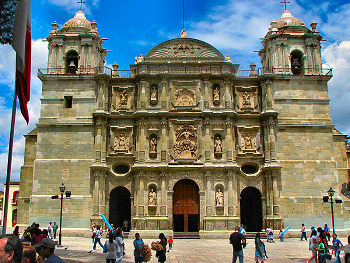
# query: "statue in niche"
219,198
218,145
123,98
154,93
216,94
246,99
248,144
152,198
153,144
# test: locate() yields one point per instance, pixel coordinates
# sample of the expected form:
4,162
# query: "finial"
183,33
285,4
81,2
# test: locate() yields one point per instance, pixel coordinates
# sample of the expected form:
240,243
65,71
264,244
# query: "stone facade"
259,148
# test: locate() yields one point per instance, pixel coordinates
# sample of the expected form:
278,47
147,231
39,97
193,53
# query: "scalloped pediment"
184,49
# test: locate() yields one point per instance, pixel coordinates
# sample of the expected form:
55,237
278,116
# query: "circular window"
121,169
249,169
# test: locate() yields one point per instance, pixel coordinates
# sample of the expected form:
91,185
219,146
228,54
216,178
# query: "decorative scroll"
185,142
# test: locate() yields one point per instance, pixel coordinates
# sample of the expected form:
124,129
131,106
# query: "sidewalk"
76,249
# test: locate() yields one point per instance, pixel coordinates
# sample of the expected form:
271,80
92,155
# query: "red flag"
21,43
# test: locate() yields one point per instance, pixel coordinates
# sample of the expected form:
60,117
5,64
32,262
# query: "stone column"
275,187
269,200
143,96
141,194
230,140
236,194
228,104
266,141
207,94
163,197
272,139
209,190
231,193
163,96
142,141
207,140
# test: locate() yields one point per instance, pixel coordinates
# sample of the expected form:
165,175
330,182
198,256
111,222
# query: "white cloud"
39,58
73,6
337,56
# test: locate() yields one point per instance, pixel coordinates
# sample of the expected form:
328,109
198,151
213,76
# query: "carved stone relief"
247,99
185,142
249,139
185,96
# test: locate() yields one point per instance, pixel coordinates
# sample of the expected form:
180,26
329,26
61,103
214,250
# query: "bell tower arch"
76,48
290,47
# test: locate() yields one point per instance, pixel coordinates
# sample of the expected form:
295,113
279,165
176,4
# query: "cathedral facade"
184,141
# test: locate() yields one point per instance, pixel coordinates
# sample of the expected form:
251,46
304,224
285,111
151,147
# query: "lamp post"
62,190
331,193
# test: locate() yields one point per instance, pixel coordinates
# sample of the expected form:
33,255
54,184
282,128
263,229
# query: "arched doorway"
186,206
120,207
251,209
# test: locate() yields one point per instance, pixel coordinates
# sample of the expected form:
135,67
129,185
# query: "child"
170,242
281,235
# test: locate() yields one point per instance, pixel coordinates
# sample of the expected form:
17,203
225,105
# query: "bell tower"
76,48
290,47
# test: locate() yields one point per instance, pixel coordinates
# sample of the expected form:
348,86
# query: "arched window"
297,62
72,59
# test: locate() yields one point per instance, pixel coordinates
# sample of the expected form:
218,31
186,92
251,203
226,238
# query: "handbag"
328,256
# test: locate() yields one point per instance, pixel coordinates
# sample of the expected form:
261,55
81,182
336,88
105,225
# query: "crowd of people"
114,247
34,246
318,245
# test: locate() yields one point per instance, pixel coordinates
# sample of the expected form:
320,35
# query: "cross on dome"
285,4
81,2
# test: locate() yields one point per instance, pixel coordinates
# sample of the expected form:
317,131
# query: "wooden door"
186,206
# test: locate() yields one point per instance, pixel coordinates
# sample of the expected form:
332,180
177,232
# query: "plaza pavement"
75,249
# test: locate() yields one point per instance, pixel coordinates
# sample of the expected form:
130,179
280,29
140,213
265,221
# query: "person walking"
303,232
236,239
260,252
138,248
170,241
110,248
121,246
161,254
54,229
49,229
312,246
97,238
337,246
321,249
327,232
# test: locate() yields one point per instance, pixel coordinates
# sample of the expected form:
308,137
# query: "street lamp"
62,190
68,194
331,193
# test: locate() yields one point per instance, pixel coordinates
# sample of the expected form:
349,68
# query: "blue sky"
133,27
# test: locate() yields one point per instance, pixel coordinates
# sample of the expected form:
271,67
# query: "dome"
79,20
287,19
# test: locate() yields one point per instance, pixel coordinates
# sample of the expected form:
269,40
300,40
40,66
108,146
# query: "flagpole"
9,164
